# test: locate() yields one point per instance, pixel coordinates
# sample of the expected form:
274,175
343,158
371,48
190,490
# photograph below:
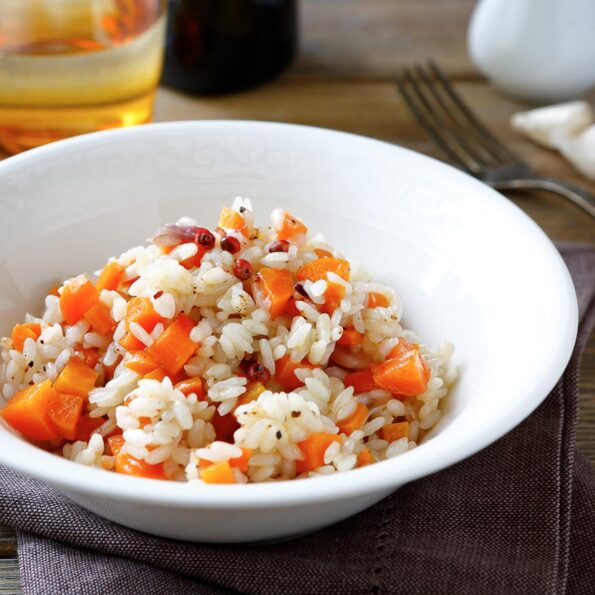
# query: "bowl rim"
430,457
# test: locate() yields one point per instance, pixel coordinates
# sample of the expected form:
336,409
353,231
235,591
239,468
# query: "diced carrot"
318,269
76,378
192,385
128,465
285,372
54,291
225,426
168,249
141,311
402,348
230,219
291,309
355,421
350,338
100,319
21,332
361,381
277,287
395,431
27,411
376,300
88,355
110,276
321,253
364,458
131,343
78,296
65,414
313,449
173,348
218,473
141,363
87,425
241,462
405,374
253,391
291,228
157,374
115,444
332,297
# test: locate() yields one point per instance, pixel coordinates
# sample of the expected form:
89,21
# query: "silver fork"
467,143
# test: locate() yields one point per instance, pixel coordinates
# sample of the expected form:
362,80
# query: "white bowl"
469,265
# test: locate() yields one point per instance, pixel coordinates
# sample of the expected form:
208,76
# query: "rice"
252,389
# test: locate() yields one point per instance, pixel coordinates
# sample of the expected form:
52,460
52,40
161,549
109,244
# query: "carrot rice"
232,355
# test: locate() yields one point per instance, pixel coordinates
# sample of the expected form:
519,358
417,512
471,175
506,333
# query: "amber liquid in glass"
74,66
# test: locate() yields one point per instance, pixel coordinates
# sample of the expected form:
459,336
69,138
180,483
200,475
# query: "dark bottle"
219,46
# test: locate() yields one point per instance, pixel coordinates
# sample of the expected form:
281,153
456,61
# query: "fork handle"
579,196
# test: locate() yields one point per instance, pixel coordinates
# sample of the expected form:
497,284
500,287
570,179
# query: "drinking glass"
74,66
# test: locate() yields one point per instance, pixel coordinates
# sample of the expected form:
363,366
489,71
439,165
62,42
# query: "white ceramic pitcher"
541,50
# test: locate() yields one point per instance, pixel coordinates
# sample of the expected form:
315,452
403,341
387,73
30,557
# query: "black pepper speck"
279,435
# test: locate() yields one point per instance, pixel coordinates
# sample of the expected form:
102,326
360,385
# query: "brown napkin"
519,517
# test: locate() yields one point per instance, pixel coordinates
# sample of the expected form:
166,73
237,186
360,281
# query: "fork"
467,143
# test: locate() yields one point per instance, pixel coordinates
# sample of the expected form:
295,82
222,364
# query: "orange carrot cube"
78,296
313,449
76,378
66,413
218,473
173,348
100,319
355,421
110,276
22,332
364,458
285,372
277,288
361,381
395,431
27,412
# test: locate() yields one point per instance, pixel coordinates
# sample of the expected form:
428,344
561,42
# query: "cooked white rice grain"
397,447
373,426
431,420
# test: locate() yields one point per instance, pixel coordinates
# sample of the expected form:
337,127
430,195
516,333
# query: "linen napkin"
518,517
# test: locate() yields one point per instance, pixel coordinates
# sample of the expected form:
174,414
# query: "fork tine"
490,142
417,99
468,142
421,117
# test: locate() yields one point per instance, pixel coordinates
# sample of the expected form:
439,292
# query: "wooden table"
342,80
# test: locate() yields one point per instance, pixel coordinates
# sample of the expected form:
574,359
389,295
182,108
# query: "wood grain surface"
342,80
